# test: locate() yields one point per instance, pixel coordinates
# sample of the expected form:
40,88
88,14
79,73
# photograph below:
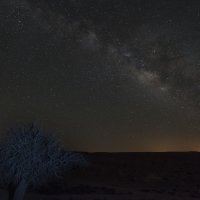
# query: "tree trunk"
18,192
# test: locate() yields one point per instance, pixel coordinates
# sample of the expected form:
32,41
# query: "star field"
106,75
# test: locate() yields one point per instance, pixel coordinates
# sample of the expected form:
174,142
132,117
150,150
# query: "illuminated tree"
29,157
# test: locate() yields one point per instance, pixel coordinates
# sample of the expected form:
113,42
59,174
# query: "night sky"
104,75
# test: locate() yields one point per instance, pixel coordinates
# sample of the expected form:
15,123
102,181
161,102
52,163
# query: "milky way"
106,75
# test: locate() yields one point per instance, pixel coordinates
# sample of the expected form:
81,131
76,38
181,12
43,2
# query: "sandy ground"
138,176
136,195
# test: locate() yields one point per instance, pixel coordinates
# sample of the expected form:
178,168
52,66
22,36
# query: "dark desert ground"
138,176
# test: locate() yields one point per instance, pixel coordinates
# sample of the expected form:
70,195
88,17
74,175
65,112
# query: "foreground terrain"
138,176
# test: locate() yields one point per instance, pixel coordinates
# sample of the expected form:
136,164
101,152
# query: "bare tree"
28,156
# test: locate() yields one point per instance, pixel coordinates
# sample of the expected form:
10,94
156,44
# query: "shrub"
29,157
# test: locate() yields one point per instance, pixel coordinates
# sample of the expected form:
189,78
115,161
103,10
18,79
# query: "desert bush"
29,157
